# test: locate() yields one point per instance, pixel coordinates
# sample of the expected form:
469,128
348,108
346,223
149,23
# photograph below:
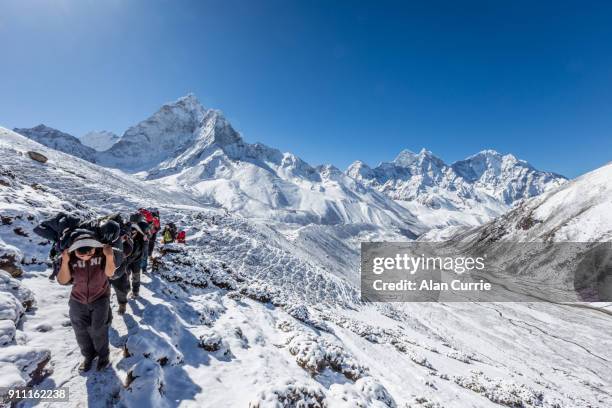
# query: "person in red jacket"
152,217
88,264
180,237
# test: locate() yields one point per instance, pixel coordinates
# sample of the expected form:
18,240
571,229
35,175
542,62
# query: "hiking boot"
121,309
134,295
85,365
102,363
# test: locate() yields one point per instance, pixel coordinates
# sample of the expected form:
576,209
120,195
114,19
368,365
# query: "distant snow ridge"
100,140
487,178
58,140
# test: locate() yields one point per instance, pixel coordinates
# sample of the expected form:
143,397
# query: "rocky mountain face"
59,141
100,140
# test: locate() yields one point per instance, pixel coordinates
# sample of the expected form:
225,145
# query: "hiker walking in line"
151,216
88,264
121,281
140,244
134,242
167,235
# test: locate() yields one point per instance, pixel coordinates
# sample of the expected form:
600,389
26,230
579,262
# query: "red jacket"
89,282
151,219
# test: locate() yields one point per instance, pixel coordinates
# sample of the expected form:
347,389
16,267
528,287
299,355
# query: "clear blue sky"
330,81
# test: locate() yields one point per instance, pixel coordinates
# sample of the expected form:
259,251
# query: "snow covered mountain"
100,140
162,136
468,192
243,315
505,177
59,140
188,148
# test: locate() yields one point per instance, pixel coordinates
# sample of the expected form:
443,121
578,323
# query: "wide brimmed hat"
85,240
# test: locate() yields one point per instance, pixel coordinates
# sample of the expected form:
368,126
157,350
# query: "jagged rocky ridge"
487,177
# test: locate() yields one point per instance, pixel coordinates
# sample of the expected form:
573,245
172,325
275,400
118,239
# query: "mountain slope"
58,140
100,140
577,211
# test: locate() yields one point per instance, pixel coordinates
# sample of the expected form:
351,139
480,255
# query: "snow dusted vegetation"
261,307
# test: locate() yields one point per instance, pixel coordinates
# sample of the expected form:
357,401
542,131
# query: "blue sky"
330,81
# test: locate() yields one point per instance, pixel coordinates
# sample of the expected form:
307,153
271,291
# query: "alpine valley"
261,307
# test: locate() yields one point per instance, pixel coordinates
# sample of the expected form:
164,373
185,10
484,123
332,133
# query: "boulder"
41,158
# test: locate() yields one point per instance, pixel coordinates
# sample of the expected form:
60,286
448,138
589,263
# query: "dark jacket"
89,282
138,250
124,247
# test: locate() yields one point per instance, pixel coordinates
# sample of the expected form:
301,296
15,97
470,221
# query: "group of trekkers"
94,255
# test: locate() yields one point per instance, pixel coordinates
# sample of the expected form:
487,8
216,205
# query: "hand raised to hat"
107,250
65,255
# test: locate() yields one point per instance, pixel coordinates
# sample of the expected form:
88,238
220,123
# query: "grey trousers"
90,323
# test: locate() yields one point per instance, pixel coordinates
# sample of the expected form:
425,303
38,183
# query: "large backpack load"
58,228
64,229
152,217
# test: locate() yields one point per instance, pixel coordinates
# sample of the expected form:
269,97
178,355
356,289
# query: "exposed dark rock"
41,158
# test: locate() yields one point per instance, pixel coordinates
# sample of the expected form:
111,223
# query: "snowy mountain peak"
43,130
165,134
405,158
359,169
188,103
100,140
